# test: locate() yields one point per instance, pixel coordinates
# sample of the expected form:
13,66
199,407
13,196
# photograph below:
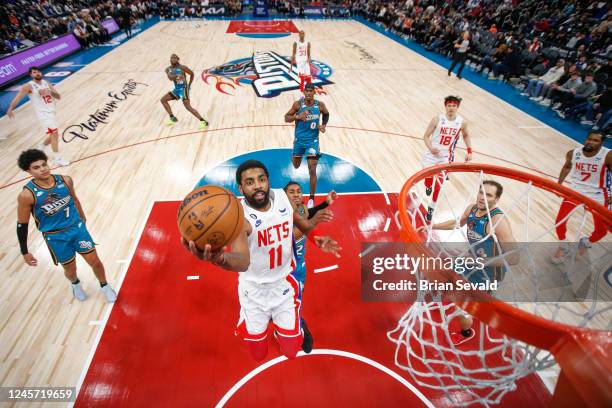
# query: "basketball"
210,215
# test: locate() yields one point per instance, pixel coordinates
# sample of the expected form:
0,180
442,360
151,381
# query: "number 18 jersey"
271,241
446,135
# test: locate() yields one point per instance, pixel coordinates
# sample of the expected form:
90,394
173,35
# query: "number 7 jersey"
271,241
589,175
54,208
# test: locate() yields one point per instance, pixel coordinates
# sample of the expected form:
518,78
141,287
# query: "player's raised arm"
450,224
428,133
467,140
77,203
25,202
567,167
291,115
326,243
238,260
23,91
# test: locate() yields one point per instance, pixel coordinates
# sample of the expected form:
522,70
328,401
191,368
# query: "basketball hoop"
511,343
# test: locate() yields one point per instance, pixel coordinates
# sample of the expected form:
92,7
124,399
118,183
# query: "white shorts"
48,121
303,68
260,303
430,160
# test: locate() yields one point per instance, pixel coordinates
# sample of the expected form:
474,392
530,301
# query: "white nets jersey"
271,242
301,51
589,175
446,135
41,98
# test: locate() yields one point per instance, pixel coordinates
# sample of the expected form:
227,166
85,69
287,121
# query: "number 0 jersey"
54,208
271,241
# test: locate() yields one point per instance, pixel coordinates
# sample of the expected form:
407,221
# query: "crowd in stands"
557,52
24,23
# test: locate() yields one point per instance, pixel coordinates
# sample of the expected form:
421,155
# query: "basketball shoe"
109,293
171,121
78,292
203,124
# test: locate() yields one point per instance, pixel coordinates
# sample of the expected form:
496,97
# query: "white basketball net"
487,367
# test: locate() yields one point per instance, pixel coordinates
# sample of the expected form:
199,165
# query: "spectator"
80,32
548,89
599,111
510,65
534,89
125,16
577,95
489,60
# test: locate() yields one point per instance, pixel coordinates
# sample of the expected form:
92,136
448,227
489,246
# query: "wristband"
469,150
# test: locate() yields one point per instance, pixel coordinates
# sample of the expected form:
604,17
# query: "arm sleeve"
312,211
22,236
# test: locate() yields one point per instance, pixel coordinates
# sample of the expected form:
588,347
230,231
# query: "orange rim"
543,333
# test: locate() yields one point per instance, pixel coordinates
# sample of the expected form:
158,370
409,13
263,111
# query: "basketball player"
441,137
177,74
51,199
479,217
589,169
305,113
294,192
262,254
301,59
43,96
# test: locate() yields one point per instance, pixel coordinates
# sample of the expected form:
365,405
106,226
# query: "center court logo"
267,72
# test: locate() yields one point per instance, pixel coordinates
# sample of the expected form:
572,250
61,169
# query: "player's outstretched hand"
434,151
328,245
322,128
331,197
216,257
10,114
30,260
468,158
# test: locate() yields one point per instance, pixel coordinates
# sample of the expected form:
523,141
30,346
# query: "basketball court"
169,338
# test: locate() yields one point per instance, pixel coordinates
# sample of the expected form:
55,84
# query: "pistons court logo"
267,72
